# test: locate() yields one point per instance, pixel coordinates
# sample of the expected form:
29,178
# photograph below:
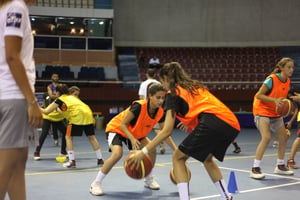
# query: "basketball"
285,109
173,178
144,167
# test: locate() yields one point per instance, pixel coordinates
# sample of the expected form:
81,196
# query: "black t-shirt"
135,108
179,104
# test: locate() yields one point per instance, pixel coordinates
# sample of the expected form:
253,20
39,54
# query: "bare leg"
282,139
264,129
294,149
94,142
116,155
12,170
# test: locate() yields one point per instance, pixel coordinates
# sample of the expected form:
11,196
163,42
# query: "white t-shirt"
14,21
154,61
144,86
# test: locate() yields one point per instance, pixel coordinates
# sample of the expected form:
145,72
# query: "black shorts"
119,140
77,130
211,136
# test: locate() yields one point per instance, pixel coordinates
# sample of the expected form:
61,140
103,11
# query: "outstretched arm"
163,134
50,108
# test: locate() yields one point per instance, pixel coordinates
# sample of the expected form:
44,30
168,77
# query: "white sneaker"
281,169
96,189
275,144
150,183
256,173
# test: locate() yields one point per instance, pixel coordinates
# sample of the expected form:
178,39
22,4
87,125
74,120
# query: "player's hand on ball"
135,159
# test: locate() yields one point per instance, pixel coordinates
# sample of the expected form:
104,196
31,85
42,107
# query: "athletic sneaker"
36,156
256,173
55,143
96,189
291,164
70,164
237,150
281,169
150,183
275,144
100,161
162,149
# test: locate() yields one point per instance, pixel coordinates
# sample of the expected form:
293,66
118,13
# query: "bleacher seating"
219,64
63,71
91,73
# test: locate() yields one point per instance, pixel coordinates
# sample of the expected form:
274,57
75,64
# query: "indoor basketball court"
46,179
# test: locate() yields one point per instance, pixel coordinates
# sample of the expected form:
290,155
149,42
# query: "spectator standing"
154,62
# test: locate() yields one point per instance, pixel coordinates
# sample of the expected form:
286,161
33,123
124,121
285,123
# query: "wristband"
32,102
145,151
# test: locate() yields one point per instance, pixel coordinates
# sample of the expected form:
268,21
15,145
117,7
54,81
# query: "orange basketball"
286,108
144,168
173,178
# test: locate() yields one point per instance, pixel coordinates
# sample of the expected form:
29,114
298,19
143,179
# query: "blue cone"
232,186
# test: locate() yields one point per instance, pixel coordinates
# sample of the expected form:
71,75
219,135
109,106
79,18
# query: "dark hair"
281,63
151,72
62,89
153,88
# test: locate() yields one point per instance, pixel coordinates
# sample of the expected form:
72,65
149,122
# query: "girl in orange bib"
267,120
213,125
131,128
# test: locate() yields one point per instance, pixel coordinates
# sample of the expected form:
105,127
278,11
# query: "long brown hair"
281,63
177,76
2,2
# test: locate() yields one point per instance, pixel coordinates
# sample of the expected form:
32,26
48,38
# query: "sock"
71,155
98,154
183,190
236,146
222,187
280,162
100,176
149,177
256,163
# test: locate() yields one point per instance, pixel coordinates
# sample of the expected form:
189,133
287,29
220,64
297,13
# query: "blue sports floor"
48,180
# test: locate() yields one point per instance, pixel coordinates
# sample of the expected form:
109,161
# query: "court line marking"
255,189
250,190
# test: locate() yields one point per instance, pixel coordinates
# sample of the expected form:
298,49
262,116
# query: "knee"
117,155
266,138
178,155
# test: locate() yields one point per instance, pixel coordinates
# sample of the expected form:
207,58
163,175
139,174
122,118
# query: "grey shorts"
15,131
275,122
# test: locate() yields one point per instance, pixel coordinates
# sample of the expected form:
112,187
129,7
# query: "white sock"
98,154
149,177
71,155
256,163
222,187
280,162
100,176
183,190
